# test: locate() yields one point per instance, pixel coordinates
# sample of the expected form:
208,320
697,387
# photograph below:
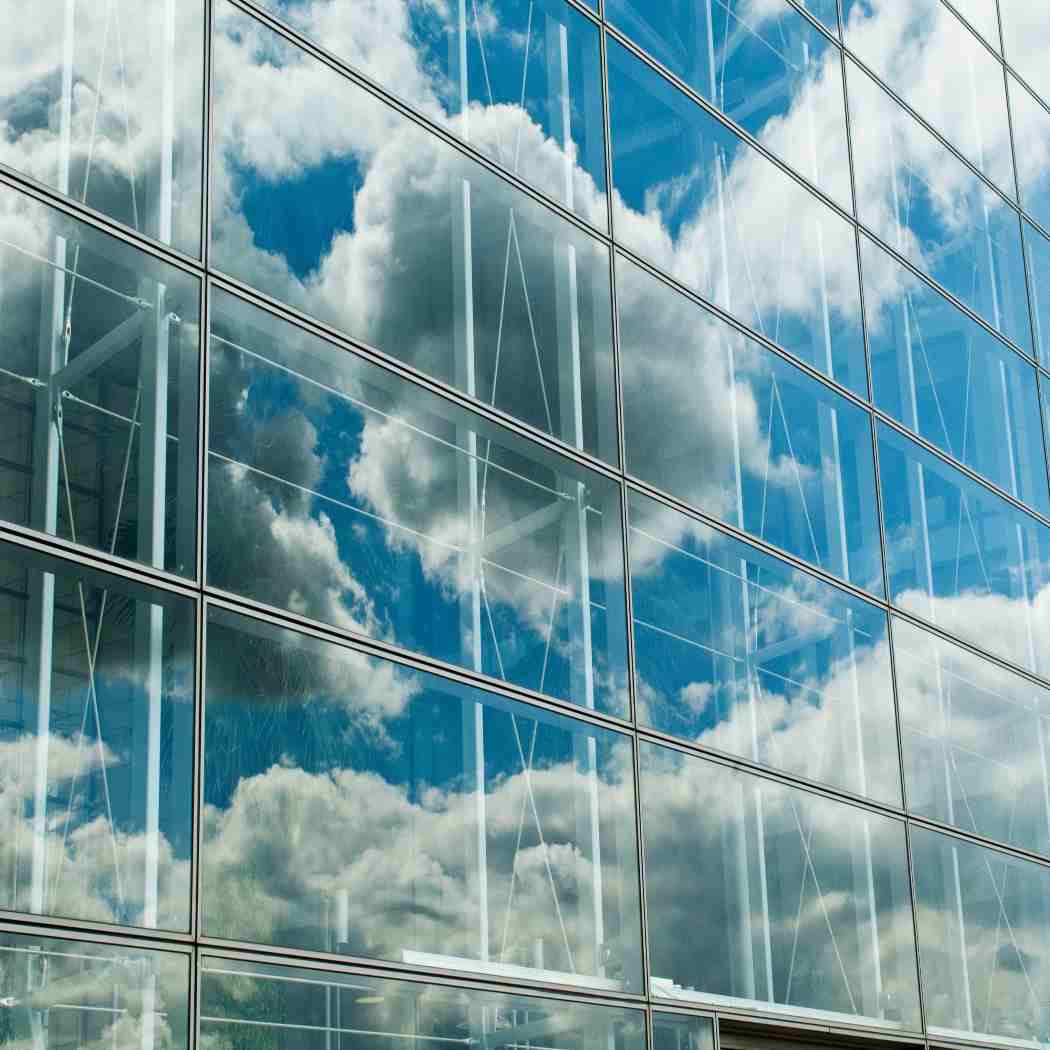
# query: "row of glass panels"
356,806
60,993
356,221
346,494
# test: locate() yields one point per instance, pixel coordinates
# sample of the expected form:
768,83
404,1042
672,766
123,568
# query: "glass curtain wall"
523,524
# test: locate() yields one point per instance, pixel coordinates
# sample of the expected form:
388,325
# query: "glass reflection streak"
99,368
520,80
360,807
770,70
303,1009
960,555
96,758
974,738
948,379
915,194
983,925
744,435
396,238
707,208
105,103
340,492
739,652
789,898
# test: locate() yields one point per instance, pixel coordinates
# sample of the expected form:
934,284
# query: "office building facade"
525,523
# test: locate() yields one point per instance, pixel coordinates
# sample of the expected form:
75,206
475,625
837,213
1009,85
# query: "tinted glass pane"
790,899
1026,33
924,202
63,993
983,924
343,493
358,807
678,1032
951,381
926,54
707,208
1031,125
714,418
386,232
975,738
765,66
104,103
1037,250
518,79
96,745
98,378
249,1004
960,555
743,653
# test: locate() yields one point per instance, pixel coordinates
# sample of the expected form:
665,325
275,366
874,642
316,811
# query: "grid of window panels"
523,523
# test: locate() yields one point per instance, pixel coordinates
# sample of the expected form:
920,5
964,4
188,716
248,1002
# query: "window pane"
96,745
341,492
742,653
63,993
925,203
742,434
922,51
769,69
389,234
520,80
952,382
1031,126
1037,249
104,103
99,376
359,807
1026,33
960,555
703,205
252,1003
790,899
678,1032
983,926
982,16
974,740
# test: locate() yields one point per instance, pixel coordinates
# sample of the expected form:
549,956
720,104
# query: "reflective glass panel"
926,54
951,381
388,233
56,994
706,207
1037,251
742,434
789,899
925,203
983,922
765,66
679,1032
96,745
975,740
823,10
1026,33
737,651
983,16
99,369
252,1004
520,80
1031,126
340,492
960,555
356,806
104,103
